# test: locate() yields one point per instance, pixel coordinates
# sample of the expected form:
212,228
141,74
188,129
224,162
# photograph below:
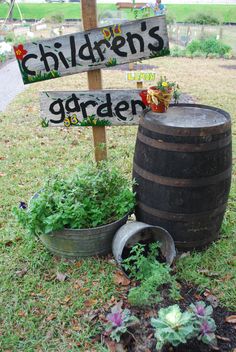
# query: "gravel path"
10,83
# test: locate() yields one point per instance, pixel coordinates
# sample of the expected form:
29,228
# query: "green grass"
34,312
225,13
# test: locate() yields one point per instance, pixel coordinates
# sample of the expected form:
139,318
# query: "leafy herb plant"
151,274
88,198
118,322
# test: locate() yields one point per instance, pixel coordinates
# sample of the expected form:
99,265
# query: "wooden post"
140,85
89,16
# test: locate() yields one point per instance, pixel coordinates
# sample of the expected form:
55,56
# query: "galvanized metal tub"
76,243
134,232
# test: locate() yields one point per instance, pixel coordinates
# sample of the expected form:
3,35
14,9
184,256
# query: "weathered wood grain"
91,108
93,49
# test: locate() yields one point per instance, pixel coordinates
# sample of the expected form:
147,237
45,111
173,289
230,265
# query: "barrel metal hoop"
178,131
181,182
181,216
177,147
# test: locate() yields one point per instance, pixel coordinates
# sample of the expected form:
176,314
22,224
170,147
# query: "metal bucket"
133,232
74,243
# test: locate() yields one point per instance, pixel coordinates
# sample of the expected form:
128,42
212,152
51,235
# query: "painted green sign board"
93,49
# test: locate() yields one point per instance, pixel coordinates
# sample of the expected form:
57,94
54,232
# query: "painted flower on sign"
116,29
74,119
20,52
67,122
106,33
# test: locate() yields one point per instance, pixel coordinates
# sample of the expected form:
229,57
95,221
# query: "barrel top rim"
201,116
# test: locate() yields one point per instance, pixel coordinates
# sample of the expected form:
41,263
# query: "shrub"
57,18
202,18
177,52
90,197
208,46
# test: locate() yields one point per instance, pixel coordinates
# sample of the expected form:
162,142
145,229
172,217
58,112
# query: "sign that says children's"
94,49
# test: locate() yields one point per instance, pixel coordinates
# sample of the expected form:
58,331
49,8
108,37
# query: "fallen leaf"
66,300
51,317
185,254
78,264
213,300
198,297
61,277
227,277
111,345
223,338
78,284
21,313
90,302
2,158
231,319
207,293
121,279
21,272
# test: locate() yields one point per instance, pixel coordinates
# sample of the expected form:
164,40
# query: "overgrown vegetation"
151,275
209,47
89,197
204,19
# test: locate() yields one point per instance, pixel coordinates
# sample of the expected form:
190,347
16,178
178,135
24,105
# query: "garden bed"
142,337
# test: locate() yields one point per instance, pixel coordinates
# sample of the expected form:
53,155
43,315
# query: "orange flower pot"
158,108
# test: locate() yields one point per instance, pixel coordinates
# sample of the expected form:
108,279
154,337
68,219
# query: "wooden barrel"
182,167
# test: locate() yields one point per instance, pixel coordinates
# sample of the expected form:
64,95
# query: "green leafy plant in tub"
91,196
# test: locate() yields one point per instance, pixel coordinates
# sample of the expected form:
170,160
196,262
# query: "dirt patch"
229,67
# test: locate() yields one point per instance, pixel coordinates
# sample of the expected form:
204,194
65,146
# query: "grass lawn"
39,312
225,13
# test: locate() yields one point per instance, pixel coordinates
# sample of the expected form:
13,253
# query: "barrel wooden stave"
183,178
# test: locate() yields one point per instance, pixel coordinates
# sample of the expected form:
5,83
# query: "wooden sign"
93,49
91,108
137,76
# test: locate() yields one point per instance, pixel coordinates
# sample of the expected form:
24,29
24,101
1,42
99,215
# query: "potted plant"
158,97
78,215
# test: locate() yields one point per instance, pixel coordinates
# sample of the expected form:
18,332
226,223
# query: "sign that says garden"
93,49
91,108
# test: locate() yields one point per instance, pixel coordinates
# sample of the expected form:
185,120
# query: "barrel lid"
189,116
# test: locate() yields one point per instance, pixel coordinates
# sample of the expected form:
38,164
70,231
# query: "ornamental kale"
173,326
201,310
118,321
207,332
